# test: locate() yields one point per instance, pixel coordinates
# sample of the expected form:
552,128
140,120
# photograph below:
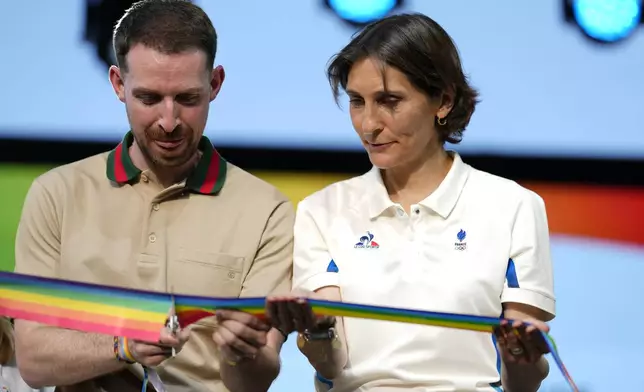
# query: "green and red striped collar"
207,178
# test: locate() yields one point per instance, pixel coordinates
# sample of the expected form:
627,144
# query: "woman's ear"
446,104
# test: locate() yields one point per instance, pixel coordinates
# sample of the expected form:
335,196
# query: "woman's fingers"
290,313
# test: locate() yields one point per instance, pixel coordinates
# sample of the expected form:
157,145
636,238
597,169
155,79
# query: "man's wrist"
265,368
235,362
122,350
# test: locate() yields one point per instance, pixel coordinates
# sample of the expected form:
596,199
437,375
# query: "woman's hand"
293,313
522,342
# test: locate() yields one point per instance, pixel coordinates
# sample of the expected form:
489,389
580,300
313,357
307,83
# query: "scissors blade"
173,321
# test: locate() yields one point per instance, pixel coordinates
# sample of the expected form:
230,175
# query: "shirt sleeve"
38,235
529,276
272,268
313,266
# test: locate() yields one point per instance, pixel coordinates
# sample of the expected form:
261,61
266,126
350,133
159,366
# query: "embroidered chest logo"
366,242
460,244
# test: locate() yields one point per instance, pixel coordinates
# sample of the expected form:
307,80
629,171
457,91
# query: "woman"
421,230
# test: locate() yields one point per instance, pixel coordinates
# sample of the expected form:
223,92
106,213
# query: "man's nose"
169,116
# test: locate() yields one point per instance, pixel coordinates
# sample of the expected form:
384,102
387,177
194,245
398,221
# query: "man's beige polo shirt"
220,233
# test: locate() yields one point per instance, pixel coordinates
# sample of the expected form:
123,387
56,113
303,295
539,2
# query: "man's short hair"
168,26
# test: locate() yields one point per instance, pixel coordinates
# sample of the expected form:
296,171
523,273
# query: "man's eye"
188,99
149,99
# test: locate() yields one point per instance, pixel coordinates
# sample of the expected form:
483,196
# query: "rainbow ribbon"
190,309
84,307
140,314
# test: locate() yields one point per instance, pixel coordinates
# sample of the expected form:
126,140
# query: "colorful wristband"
116,348
122,351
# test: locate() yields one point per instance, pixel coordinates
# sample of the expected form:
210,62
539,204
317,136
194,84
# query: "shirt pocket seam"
219,260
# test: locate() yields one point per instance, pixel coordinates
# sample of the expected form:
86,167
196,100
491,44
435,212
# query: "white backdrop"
546,89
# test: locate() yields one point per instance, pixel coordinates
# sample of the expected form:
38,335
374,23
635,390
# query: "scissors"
173,322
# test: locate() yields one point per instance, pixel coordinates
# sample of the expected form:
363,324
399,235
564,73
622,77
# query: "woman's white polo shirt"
476,242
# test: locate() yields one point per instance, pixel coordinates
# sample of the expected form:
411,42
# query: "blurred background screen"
544,89
562,89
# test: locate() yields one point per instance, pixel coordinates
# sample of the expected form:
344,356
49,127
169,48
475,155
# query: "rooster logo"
366,242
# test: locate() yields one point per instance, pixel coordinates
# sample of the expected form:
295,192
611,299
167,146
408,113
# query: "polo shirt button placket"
413,222
400,212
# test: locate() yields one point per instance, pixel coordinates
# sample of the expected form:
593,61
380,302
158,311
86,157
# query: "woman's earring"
441,121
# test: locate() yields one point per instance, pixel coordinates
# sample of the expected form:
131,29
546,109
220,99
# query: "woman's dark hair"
422,50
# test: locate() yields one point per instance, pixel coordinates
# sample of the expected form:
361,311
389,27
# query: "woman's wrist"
324,324
327,356
319,346
524,377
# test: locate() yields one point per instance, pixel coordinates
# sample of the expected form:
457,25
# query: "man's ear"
116,78
216,80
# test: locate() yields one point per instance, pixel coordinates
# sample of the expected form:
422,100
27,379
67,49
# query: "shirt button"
153,238
155,206
231,275
417,211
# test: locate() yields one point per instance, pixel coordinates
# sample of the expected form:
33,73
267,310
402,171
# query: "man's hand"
151,355
240,335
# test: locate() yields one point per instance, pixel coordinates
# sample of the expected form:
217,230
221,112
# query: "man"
162,211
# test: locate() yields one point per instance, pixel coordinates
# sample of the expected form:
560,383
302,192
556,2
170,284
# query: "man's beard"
157,160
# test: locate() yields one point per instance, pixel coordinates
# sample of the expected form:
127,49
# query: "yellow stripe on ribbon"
78,305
